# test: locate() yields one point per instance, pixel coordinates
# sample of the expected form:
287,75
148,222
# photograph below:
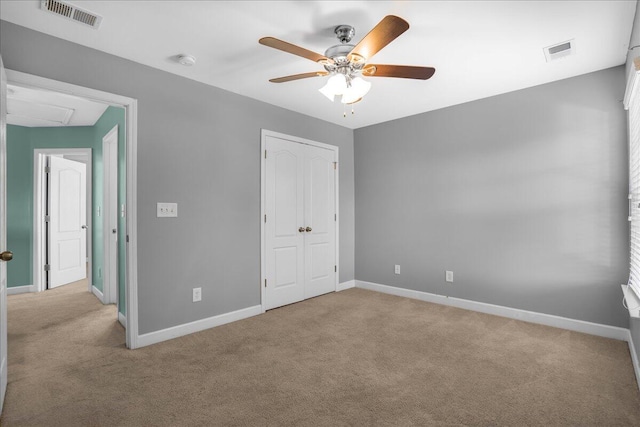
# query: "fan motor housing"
338,52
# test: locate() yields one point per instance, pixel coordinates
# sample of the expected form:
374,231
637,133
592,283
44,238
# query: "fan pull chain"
352,110
344,110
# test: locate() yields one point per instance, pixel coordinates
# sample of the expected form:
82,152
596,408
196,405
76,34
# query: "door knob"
308,229
84,227
6,256
301,229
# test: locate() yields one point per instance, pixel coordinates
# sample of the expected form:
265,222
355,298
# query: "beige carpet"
350,358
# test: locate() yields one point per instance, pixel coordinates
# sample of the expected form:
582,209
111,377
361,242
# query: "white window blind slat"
634,186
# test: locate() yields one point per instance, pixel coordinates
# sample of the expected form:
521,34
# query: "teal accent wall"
19,206
21,143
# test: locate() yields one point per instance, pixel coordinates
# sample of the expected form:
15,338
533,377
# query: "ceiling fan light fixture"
345,63
326,91
358,89
336,85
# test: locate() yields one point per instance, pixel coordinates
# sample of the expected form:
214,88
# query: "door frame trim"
110,292
131,119
264,133
39,208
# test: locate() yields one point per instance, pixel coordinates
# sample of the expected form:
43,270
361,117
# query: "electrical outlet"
197,294
448,276
166,210
397,270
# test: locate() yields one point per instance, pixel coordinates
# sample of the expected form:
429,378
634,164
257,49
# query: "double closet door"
300,221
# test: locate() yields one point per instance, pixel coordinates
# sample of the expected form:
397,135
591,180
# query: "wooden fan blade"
401,71
298,77
382,34
293,49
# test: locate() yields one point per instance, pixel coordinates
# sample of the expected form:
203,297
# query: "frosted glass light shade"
336,85
326,91
358,89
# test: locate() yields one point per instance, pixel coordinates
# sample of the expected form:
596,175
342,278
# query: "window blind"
632,103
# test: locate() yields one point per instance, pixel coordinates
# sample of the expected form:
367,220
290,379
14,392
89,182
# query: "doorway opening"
108,224
62,223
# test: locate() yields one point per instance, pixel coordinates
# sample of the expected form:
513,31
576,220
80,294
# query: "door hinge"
265,283
47,169
335,217
47,218
335,165
47,267
127,238
265,217
335,268
265,154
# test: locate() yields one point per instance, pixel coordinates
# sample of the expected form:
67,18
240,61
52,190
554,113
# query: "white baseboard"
197,326
122,319
598,329
98,294
15,290
3,382
346,285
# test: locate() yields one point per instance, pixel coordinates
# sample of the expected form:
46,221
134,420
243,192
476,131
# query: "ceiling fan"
346,63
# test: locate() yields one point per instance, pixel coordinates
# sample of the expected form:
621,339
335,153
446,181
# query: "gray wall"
522,195
198,146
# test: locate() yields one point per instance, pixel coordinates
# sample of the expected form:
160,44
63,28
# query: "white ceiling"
479,48
40,108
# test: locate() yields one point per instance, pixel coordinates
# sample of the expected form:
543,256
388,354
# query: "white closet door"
67,229
320,237
284,243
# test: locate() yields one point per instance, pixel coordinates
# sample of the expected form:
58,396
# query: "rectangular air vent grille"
559,50
84,17
59,8
71,12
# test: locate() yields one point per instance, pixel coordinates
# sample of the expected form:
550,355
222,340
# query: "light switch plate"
167,210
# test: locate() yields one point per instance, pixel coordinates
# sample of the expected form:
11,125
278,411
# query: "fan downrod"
339,52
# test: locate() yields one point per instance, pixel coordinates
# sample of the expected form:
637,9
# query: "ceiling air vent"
72,12
559,50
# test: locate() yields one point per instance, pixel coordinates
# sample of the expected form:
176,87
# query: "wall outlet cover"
448,276
197,294
397,269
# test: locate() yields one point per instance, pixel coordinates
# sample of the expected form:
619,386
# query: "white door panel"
67,225
3,233
284,209
110,219
300,255
320,196
320,259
